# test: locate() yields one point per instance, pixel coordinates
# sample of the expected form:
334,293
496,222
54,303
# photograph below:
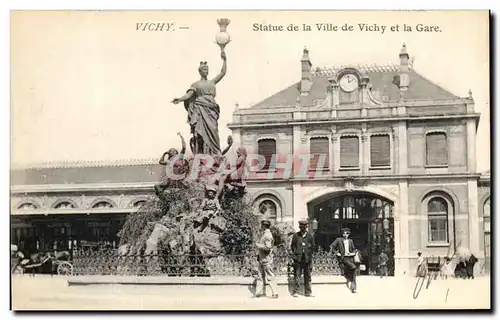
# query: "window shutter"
319,147
267,148
437,149
380,151
349,152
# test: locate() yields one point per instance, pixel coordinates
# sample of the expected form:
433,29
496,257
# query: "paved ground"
165,280
46,293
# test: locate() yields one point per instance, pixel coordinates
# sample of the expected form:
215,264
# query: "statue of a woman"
203,110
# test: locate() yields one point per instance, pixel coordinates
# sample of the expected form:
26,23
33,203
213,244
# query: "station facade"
393,157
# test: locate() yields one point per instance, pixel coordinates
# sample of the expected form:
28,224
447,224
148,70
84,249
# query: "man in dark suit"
302,252
469,266
383,260
345,251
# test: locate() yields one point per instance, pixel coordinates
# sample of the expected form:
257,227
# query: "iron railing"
111,263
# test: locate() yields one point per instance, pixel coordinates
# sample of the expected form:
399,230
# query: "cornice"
44,212
84,164
56,188
408,177
47,189
273,109
351,120
363,68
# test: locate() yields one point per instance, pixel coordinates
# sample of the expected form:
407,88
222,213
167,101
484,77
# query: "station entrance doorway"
368,216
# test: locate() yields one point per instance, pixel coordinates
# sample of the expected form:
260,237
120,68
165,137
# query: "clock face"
348,82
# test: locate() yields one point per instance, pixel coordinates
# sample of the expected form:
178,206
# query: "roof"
381,79
81,174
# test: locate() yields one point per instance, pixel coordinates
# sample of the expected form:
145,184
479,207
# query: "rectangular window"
380,151
349,152
267,148
438,228
319,148
436,149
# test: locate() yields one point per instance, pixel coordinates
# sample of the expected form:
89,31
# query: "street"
53,293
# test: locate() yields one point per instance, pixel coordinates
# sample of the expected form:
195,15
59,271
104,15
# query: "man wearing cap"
265,259
346,251
302,251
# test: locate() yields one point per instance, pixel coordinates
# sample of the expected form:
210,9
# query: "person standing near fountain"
302,248
265,259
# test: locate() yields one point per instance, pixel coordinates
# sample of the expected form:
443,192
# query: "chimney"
404,68
306,79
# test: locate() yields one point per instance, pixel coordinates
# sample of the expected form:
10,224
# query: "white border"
190,5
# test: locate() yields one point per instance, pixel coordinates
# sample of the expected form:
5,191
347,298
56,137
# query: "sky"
89,86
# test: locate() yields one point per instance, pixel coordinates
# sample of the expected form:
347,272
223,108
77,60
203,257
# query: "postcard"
250,160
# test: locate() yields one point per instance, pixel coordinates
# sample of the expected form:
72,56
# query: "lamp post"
223,38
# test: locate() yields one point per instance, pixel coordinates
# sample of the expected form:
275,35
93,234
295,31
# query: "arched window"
350,211
64,205
487,208
487,234
268,206
102,205
436,149
437,213
27,206
267,148
268,209
139,203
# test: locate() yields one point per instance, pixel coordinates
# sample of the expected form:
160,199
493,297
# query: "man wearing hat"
265,259
302,251
346,251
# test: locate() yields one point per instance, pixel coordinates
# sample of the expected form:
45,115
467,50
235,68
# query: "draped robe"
203,116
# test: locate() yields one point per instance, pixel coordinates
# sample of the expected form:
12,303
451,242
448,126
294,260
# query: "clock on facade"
348,82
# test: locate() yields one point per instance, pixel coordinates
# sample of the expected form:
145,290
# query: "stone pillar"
329,90
336,154
236,134
394,150
403,247
397,243
335,98
402,148
473,217
365,154
296,148
306,76
471,145
299,205
331,153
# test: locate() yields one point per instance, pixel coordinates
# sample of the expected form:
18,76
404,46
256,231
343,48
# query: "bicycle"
429,270
422,272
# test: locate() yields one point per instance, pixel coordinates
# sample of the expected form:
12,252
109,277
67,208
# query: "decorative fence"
111,263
